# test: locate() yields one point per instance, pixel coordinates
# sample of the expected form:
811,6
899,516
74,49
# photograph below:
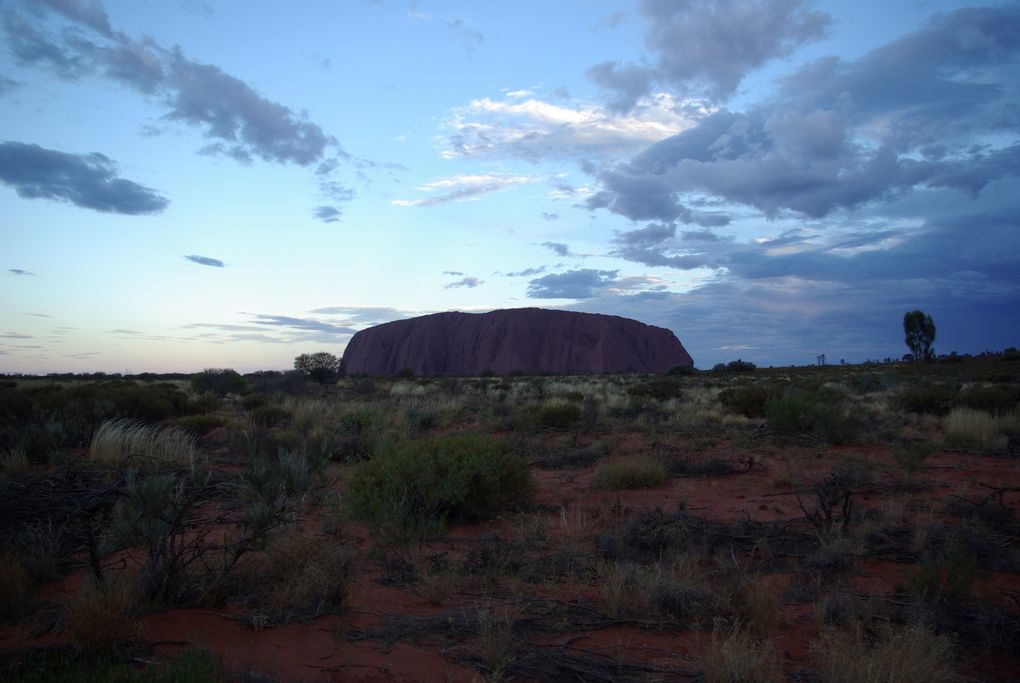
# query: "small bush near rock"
748,401
409,489
558,415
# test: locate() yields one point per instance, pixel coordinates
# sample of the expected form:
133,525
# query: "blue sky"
230,184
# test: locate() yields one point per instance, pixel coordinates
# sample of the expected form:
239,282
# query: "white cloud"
464,188
533,128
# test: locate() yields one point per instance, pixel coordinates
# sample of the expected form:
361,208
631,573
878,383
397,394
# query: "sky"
202,184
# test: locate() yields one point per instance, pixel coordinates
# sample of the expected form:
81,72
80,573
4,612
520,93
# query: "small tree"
919,331
218,381
321,366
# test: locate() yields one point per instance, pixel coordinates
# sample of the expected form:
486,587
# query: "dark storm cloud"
86,180
469,282
206,261
241,123
706,47
572,284
19,271
845,135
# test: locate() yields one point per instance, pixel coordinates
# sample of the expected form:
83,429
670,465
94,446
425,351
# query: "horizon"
195,185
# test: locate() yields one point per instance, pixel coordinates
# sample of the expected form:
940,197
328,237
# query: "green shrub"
998,399
409,489
252,401
218,382
825,415
557,415
199,425
630,473
269,416
929,399
948,578
748,401
659,388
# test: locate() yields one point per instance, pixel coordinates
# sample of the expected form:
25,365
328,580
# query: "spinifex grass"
117,440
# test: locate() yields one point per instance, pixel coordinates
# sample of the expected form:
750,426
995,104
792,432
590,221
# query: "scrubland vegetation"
838,523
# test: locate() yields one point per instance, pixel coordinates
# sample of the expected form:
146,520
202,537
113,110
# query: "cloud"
328,214
464,187
301,323
533,129
471,38
527,272
206,261
19,271
572,284
199,8
469,282
87,180
550,216
15,335
558,248
8,85
363,316
455,273
241,123
705,48
842,136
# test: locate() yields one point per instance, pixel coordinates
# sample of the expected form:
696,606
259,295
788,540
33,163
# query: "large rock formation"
527,340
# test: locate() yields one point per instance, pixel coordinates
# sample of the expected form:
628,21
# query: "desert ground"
836,523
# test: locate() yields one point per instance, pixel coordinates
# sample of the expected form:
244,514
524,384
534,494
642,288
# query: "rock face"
527,340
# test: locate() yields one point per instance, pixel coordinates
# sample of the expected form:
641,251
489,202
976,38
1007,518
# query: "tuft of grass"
117,440
200,425
630,473
14,463
16,599
912,653
495,643
734,656
98,617
966,427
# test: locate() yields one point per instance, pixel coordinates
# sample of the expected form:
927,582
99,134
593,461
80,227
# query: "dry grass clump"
734,656
15,587
495,641
638,472
968,427
99,616
117,440
913,653
299,576
14,463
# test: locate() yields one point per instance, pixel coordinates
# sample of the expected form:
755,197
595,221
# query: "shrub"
748,401
659,388
409,489
199,425
735,366
929,399
811,412
252,401
218,382
557,415
269,416
948,578
998,399
630,473
14,463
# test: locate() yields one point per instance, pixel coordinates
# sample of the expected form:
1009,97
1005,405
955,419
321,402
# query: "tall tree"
919,330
